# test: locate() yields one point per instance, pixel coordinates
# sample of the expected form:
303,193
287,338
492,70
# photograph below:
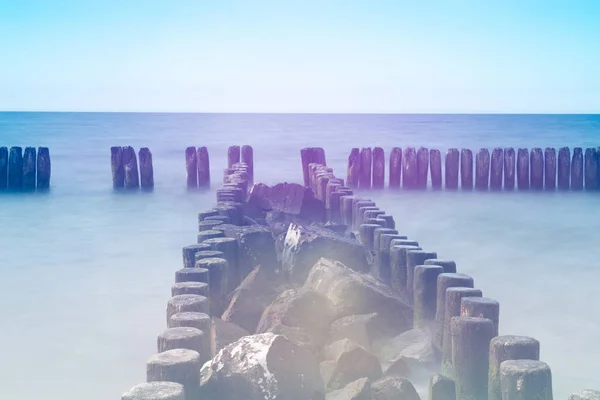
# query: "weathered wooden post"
180,366
15,168
509,168
305,156
203,167
414,258
44,168
367,234
435,161
496,169
186,303
248,159
229,248
445,281
201,321
452,162
346,209
382,257
198,288
550,168
146,169
398,268
117,168
466,169
132,178
577,169
424,292
448,265
29,167
155,391
470,356
564,168
523,169
3,168
191,167
192,275
481,307
409,168
482,169
591,169
217,270
353,171
395,167
378,168
189,252
422,167
366,161
183,337
504,348
537,168
525,379
454,295
233,155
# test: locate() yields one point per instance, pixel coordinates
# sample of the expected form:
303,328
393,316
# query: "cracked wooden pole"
424,294
435,162
191,167
591,169
395,167
466,169
525,379
577,169
409,168
550,168
116,164
353,171
203,162
422,167
509,168
29,168
366,163
378,168
496,169
452,163
233,155
146,169
445,281
414,258
248,159
537,168
130,164
15,168
482,169
44,168
3,168
564,168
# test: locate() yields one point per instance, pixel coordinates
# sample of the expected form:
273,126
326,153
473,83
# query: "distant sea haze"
86,272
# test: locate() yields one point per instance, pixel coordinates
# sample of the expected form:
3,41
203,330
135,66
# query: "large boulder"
262,367
393,389
299,308
335,349
354,293
363,329
304,246
223,333
360,389
288,198
256,247
352,365
301,337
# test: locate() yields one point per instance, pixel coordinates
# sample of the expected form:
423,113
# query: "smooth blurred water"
85,272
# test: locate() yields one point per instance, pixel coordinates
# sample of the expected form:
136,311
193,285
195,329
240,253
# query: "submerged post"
44,168
452,162
248,159
203,167
409,168
523,169
537,168
29,167
550,168
366,161
3,168
591,169
146,169
496,169
466,169
422,167
116,164
577,169
435,162
378,168
15,168
509,168
482,169
564,168
395,167
191,167
132,178
233,155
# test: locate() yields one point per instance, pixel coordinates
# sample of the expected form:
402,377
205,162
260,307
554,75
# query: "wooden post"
398,268
217,270
233,155
146,169
3,168
523,169
591,169
29,167
525,379
155,391
378,168
203,167
435,161
466,169
183,337
448,265
191,167
564,168
248,159
496,169
537,169
422,167
504,348
482,169
424,290
481,307
180,366
116,164
199,288
445,281
346,209
44,168
409,168
577,169
413,259
186,303
470,356
15,168
452,162
132,178
395,167
509,168
366,161
353,172
550,168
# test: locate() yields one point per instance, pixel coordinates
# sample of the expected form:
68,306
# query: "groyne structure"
311,292
24,170
500,169
124,168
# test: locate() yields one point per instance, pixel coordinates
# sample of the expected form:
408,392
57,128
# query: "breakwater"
498,169
327,282
24,169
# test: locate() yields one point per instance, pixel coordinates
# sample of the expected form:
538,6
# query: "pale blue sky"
300,56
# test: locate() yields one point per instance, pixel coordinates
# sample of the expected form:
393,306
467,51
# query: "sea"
85,272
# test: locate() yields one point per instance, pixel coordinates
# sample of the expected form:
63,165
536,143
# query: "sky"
460,56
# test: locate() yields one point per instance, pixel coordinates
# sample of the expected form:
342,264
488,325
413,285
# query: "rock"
299,308
360,389
251,298
304,246
585,395
301,337
256,247
363,329
326,369
224,333
262,367
288,198
353,293
337,348
354,364
391,388
414,347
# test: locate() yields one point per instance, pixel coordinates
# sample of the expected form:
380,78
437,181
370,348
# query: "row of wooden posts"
477,363
124,166
197,163
24,170
411,168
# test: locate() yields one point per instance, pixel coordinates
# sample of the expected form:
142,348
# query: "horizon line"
298,112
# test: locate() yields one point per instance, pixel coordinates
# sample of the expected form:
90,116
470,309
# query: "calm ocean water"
85,273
